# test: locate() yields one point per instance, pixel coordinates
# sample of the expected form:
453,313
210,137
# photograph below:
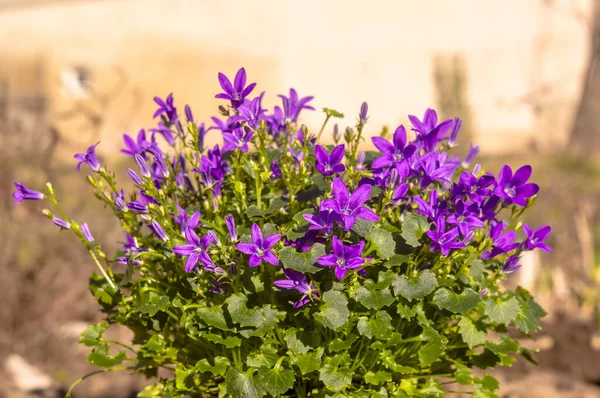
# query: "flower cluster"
275,263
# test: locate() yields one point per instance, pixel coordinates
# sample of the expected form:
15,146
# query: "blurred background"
522,74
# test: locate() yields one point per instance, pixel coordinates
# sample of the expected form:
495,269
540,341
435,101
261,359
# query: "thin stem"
68,395
323,127
104,274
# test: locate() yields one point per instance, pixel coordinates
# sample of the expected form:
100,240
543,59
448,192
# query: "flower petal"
254,260
257,236
184,250
225,83
360,196
340,273
321,154
340,191
328,260
270,258
240,80
271,240
191,262
383,145
366,214
400,137
285,284
246,248
337,154
521,176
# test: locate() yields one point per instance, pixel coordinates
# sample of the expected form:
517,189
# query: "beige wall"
342,52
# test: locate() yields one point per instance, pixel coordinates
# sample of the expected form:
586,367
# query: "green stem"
104,274
68,395
323,128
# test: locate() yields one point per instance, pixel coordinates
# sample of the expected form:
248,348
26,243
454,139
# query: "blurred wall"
525,59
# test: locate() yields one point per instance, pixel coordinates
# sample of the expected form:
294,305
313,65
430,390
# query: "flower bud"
364,108
50,188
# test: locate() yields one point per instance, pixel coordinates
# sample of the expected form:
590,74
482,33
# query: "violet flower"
293,105
231,228
514,188
328,164
434,209
140,146
502,242
392,153
260,249
237,139
475,188
23,193
473,152
454,132
188,114
119,201
429,132
237,92
167,108
511,265
362,116
61,223
344,257
141,162
464,218
159,231
323,221
134,177
535,239
89,158
138,206
443,240
85,230
195,249
347,206
297,281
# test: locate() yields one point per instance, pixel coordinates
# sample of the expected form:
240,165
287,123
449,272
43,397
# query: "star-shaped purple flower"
260,248
433,209
344,257
166,107
139,146
347,206
89,158
237,139
502,242
464,217
443,240
195,249
296,281
237,92
514,188
392,153
511,265
535,239
328,164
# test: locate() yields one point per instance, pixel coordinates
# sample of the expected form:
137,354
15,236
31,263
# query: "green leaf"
154,304
372,297
302,262
388,359
415,288
413,228
341,345
156,343
463,375
241,385
502,312
379,327
333,112
504,346
362,227
152,391
334,313
240,314
229,342
477,269
456,303
378,378
471,335
383,242
220,367
93,334
100,357
294,343
183,378
310,361
266,357
275,381
432,388
213,316
530,312
333,375
274,205
396,259
489,382
429,353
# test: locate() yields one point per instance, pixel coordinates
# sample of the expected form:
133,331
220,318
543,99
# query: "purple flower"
435,167
61,223
502,242
238,139
454,133
259,249
251,111
511,265
429,132
475,188
293,105
296,281
89,158
138,206
140,146
323,221
535,240
195,249
119,200
347,206
167,108
85,230
433,209
473,152
362,117
186,221
237,92
275,170
158,230
344,258
328,164
464,218
141,162
188,114
443,240
22,193
231,228
165,132
513,188
392,153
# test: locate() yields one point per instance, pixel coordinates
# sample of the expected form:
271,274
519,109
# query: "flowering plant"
274,265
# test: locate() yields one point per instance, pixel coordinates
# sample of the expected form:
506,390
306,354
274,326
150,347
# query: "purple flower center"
341,262
260,252
510,191
398,156
237,96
